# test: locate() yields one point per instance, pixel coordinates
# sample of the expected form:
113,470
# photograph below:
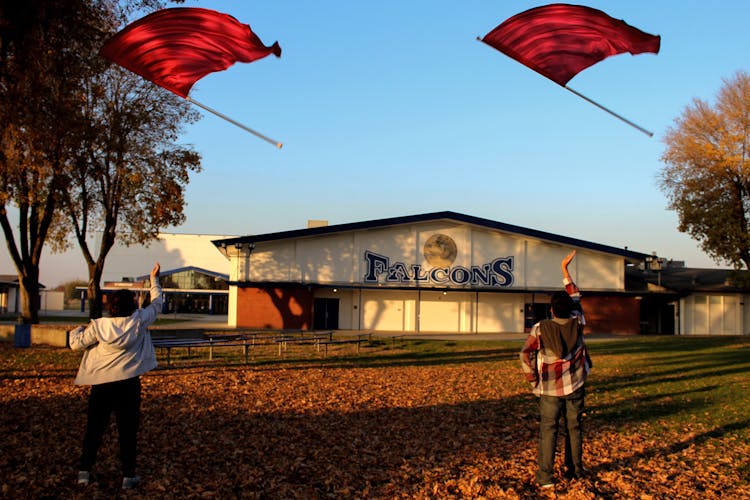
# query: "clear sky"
393,108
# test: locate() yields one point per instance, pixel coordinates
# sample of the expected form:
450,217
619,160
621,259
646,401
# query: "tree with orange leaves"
707,173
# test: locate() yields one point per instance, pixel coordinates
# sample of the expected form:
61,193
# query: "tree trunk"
96,298
28,289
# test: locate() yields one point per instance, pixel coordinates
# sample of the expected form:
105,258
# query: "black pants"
124,399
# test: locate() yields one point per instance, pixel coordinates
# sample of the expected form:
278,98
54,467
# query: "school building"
455,273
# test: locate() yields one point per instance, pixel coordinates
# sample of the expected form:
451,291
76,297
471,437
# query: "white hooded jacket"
117,348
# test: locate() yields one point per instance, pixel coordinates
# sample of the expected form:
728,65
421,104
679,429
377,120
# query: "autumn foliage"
666,418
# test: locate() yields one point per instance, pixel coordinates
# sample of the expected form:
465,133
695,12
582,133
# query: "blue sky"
394,108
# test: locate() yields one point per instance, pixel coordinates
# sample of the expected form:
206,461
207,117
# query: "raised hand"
155,271
565,262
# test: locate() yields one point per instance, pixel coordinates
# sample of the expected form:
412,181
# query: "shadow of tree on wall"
294,306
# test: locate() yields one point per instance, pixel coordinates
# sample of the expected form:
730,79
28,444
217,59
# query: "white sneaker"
128,483
84,477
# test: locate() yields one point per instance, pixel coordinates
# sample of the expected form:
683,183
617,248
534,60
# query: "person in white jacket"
117,351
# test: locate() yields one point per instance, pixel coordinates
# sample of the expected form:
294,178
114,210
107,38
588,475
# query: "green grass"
672,381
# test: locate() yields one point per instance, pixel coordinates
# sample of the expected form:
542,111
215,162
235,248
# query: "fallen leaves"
464,429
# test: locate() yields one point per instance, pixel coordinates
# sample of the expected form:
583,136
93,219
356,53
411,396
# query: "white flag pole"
647,132
234,122
638,127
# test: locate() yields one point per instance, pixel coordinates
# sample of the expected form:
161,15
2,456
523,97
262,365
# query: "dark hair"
121,303
562,305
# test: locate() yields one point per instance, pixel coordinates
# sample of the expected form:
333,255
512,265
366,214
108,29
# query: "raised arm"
571,288
154,307
565,263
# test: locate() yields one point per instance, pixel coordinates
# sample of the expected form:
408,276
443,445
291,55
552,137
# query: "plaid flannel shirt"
548,374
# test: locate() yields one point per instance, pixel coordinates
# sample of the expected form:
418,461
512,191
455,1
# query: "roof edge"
432,216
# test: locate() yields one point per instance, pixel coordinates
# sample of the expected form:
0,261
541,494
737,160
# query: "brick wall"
621,315
274,308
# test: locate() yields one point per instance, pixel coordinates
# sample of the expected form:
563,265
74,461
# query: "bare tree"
129,178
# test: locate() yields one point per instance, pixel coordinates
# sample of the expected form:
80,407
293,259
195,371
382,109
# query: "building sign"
497,273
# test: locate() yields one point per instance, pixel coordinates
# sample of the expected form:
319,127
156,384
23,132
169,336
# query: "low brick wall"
53,335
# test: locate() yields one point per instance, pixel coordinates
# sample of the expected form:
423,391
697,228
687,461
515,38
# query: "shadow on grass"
695,362
635,461
225,446
382,357
206,433
651,407
649,345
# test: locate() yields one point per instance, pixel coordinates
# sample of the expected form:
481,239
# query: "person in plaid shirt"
555,361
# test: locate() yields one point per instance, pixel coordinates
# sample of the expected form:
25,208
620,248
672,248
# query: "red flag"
560,40
176,47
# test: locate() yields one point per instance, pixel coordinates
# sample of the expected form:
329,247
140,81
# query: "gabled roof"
213,274
446,215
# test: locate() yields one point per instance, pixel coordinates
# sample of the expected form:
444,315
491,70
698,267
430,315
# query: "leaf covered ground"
666,418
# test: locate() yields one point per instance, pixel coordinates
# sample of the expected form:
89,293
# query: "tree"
48,59
707,176
129,177
43,61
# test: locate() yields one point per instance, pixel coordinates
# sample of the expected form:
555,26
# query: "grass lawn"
667,417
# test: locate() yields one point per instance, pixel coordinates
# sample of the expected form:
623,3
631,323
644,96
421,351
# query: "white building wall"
51,300
339,258
500,312
232,307
427,311
172,251
712,314
14,301
432,302
389,310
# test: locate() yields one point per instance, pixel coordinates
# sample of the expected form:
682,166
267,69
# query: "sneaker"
128,483
84,477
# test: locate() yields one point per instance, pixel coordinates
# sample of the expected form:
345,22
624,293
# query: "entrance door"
326,314
535,313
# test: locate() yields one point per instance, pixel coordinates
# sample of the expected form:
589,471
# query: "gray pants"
570,408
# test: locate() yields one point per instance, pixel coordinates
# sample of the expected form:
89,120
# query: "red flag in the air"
560,40
176,47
